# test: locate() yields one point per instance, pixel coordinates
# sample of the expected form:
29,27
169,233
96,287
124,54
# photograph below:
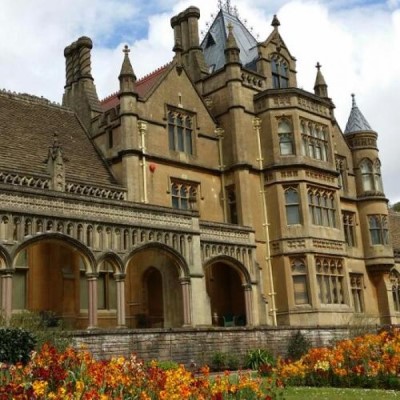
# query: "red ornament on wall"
152,167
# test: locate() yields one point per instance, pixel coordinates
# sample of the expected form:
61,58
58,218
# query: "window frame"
322,207
184,194
181,127
291,204
330,281
315,140
379,230
279,72
349,228
299,273
286,137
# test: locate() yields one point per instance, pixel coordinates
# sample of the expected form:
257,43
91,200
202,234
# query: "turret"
232,50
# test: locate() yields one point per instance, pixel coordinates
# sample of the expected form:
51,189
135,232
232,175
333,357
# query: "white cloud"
356,42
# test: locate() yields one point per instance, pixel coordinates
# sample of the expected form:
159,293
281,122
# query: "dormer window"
280,72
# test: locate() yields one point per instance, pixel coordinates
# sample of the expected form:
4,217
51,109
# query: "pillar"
6,293
121,318
248,304
92,286
187,315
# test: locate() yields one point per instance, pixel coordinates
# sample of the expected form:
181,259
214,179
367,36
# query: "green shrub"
16,344
232,361
218,361
298,345
44,326
258,358
167,364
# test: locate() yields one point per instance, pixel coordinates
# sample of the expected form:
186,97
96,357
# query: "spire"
356,121
126,69
127,77
320,86
231,48
275,22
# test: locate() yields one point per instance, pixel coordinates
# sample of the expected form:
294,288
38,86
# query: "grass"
322,393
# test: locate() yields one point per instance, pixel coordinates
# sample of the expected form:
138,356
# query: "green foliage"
298,345
167,365
44,326
259,358
16,344
218,361
396,206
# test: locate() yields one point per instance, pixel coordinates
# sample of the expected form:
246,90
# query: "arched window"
292,204
378,229
285,133
300,286
367,176
280,73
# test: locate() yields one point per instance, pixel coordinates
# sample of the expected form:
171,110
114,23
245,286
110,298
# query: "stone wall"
197,345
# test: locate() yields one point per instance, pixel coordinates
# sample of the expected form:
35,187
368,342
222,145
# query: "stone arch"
113,258
228,286
157,280
5,259
50,275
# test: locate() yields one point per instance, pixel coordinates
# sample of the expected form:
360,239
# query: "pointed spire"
126,69
320,86
275,22
231,48
356,121
127,77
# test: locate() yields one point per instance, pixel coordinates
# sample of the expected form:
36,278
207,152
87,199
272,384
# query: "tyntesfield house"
212,192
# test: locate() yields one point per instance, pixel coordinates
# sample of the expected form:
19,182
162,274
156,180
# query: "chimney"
187,43
79,91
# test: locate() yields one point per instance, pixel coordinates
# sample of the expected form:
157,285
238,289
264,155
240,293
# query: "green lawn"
308,393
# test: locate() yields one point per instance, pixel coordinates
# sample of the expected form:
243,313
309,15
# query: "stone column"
187,307
121,320
248,303
92,286
6,293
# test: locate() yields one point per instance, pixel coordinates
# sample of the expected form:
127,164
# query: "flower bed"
365,361
76,375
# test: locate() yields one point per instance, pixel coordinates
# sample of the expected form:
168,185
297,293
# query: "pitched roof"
356,121
214,41
143,87
27,128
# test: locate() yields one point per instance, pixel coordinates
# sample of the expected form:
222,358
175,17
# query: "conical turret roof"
127,69
214,41
356,121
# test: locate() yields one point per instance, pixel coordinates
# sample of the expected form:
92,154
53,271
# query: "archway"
225,289
47,279
153,289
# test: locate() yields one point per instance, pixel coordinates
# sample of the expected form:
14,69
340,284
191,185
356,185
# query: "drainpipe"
220,135
260,159
142,126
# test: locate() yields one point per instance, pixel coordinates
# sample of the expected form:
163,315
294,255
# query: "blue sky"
357,43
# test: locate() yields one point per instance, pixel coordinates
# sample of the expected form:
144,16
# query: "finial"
55,140
126,50
318,66
353,100
275,22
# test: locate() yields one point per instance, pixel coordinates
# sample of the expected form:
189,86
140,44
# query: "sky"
357,42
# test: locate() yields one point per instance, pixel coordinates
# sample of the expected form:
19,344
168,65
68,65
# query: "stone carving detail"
320,176
289,174
22,180
282,101
221,234
328,244
252,80
313,106
87,210
87,190
296,244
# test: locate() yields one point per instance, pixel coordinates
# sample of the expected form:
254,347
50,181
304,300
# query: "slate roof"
214,41
143,87
27,127
356,121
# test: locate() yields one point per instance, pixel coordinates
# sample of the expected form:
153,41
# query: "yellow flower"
39,388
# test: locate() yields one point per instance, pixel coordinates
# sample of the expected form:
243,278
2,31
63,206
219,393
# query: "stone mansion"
211,192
